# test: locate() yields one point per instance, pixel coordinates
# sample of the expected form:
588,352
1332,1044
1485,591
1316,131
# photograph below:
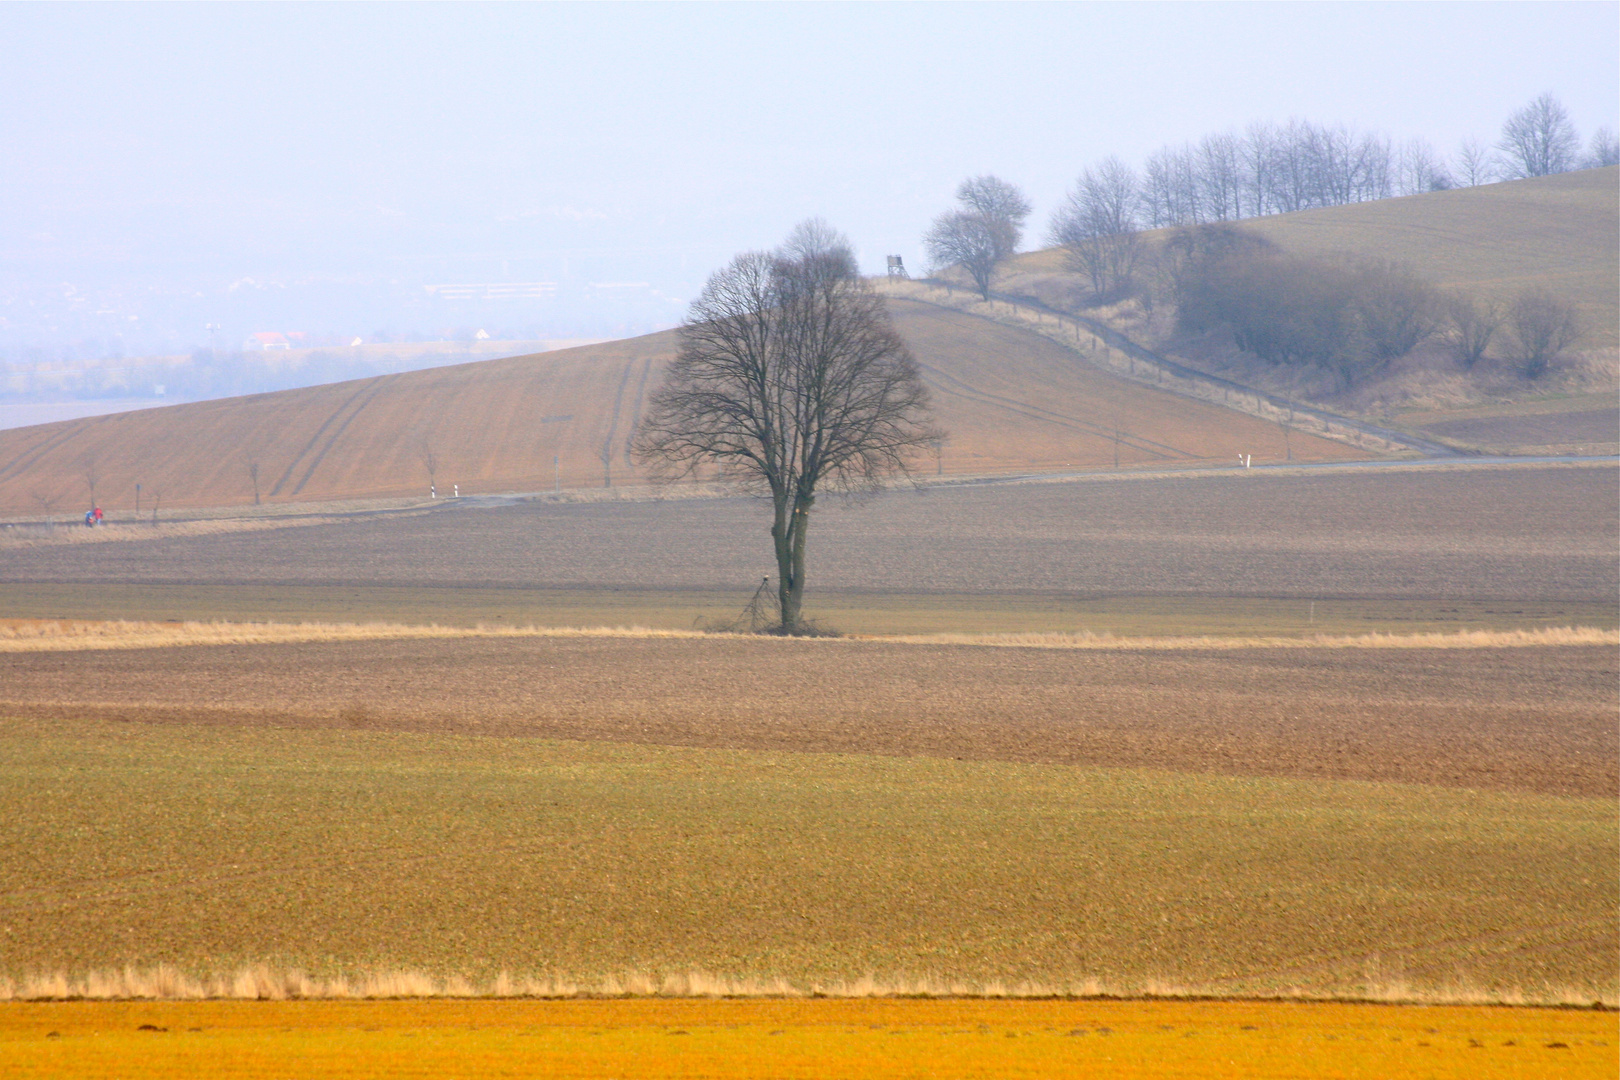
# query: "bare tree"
969,240
1097,227
790,378
1472,325
1604,149
1219,169
1169,190
998,202
1395,309
1474,166
1542,327
47,503
1539,140
92,475
253,474
1259,150
430,462
983,232
1419,170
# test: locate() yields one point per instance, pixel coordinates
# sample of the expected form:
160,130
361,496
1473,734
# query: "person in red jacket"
97,513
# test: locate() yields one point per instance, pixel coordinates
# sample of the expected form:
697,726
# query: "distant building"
482,335
267,340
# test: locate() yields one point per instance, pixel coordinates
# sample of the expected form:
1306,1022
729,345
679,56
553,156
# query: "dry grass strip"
265,983
1463,639
67,635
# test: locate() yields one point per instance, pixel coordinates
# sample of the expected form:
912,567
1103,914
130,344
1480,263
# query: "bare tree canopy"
1474,166
790,379
997,201
1542,327
1473,324
983,232
1539,140
1097,227
969,240
1604,151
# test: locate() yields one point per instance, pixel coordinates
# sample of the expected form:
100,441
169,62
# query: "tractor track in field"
950,384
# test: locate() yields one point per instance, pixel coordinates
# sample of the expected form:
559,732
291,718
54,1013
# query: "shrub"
1350,315
1542,327
1472,325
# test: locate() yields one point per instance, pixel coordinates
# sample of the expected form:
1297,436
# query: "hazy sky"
179,146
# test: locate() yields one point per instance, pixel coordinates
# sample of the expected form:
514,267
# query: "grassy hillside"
1011,401
1561,233
1557,233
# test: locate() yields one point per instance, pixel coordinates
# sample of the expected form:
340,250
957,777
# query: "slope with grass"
1559,233
1011,401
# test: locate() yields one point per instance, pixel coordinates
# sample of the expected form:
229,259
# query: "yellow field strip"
850,1039
67,635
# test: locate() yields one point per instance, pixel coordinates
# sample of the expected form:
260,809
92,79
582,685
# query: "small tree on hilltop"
997,201
983,233
1539,140
969,240
1098,227
791,380
1604,149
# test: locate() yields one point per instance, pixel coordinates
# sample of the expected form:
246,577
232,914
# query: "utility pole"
556,474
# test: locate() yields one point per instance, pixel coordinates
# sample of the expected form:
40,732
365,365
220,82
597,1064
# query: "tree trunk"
782,535
789,533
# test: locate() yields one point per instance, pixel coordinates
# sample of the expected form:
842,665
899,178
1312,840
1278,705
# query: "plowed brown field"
1534,719
1011,400
1519,533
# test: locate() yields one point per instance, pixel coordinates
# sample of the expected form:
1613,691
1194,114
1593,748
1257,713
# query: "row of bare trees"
1267,169
1274,169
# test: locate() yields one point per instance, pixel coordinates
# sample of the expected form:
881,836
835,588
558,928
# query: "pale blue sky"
187,146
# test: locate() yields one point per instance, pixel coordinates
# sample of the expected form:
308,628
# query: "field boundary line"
262,982
65,635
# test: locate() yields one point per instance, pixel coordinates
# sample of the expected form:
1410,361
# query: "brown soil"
1515,533
1011,400
1528,719
1544,429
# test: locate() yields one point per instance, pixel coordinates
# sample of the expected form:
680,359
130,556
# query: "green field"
342,852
